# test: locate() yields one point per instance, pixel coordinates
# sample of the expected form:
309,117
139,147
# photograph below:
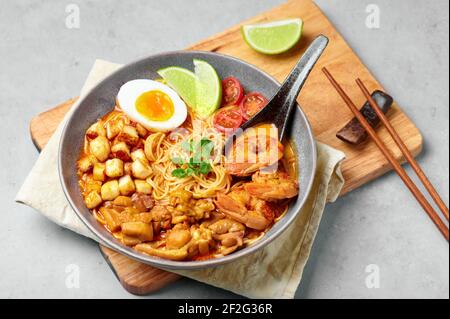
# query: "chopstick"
408,156
397,167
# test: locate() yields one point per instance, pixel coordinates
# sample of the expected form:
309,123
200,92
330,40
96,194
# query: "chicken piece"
93,199
272,187
203,239
177,238
142,217
172,254
179,219
235,204
160,213
130,241
99,147
95,130
140,230
114,167
131,214
121,151
112,218
124,201
110,190
182,195
185,204
128,212
161,217
202,208
129,135
126,185
142,202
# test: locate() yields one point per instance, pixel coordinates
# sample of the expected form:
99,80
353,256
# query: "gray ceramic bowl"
101,99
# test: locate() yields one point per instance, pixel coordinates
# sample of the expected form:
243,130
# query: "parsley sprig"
197,163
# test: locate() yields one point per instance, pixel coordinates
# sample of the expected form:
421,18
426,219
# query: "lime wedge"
182,81
202,90
208,89
273,37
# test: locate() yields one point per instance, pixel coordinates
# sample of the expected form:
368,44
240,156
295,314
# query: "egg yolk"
155,105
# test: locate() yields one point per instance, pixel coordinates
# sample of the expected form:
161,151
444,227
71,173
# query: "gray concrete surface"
43,63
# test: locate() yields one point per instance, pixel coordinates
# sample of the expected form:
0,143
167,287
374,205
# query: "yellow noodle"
251,241
99,217
160,147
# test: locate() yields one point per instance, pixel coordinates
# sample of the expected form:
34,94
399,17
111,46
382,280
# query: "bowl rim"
185,265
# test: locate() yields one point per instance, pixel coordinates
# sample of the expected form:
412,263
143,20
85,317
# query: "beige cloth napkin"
273,272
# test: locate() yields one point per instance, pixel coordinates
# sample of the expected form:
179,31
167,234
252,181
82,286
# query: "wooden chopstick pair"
396,165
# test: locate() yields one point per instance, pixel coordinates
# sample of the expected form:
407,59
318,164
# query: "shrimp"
272,187
240,206
251,153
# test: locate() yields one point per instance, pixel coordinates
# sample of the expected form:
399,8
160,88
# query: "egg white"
129,93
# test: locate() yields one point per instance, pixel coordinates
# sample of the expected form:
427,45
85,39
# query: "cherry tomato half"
232,91
228,119
251,104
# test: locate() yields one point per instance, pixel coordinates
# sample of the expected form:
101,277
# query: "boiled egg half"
152,104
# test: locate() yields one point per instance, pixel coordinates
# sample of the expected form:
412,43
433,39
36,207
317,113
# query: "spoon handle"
280,107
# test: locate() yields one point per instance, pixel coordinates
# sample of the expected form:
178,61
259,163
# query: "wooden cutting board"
321,103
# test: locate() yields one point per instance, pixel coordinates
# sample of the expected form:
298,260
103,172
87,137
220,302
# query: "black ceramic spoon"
279,109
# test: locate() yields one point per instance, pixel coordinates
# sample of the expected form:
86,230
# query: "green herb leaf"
190,171
179,173
192,162
198,163
207,148
205,141
205,168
